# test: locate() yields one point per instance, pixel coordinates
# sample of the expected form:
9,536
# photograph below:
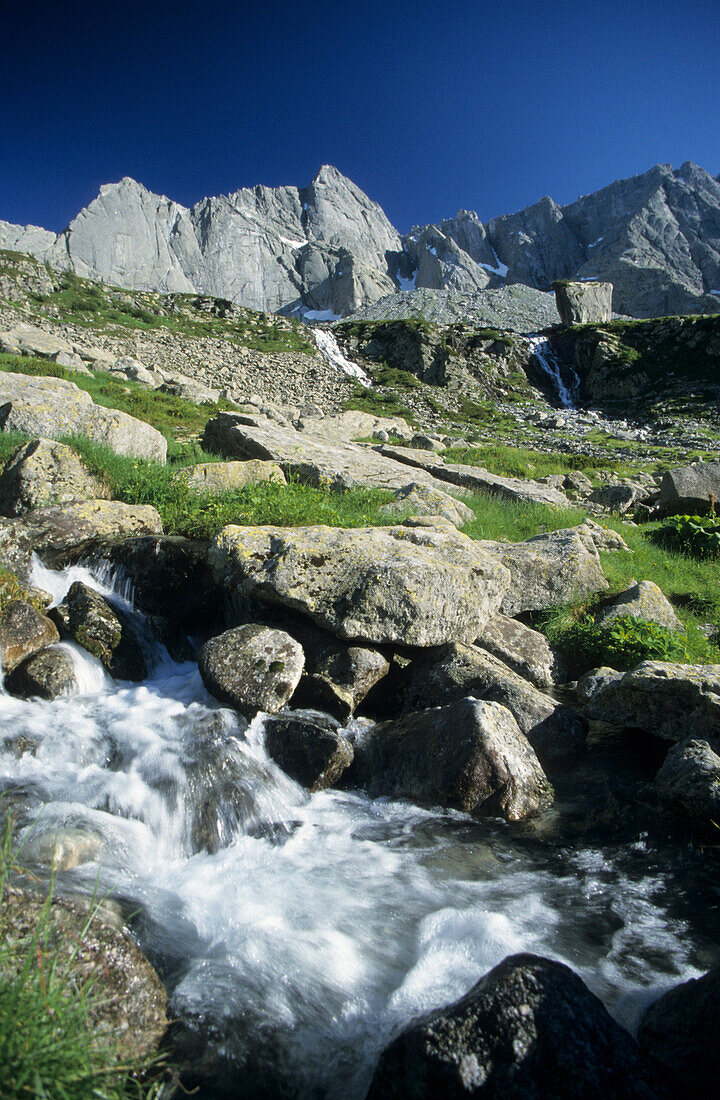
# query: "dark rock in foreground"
46,675
102,630
309,747
530,1030
23,631
680,1031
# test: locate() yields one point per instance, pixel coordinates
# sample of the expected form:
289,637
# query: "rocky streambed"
311,858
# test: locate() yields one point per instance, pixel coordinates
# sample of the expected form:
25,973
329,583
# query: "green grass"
171,415
49,1048
510,461
184,512
496,518
386,402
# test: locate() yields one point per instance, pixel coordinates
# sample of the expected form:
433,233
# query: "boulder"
642,600
470,756
53,407
669,700
44,472
338,677
477,480
309,747
453,671
103,630
252,668
687,489
583,303
223,477
618,498
689,781
170,576
417,499
63,533
679,1032
24,339
23,632
593,682
527,652
308,456
604,538
415,586
190,390
549,570
529,1030
133,369
46,675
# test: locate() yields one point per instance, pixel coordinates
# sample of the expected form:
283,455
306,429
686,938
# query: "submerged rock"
23,631
309,747
529,1030
413,585
252,668
469,755
680,1033
103,630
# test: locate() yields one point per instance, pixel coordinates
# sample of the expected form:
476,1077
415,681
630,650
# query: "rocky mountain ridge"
327,250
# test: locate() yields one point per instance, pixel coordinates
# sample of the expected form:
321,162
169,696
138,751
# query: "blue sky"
429,107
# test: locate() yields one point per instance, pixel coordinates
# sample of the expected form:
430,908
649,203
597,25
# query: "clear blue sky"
428,106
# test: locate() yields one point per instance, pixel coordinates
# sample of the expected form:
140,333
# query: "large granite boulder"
309,747
585,303
252,668
641,600
689,781
451,672
687,489
416,499
103,630
25,339
416,586
529,1030
45,472
469,755
549,570
679,1032
669,700
23,632
53,407
63,533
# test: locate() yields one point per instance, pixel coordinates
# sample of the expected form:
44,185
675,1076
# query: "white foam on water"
328,347
317,926
542,350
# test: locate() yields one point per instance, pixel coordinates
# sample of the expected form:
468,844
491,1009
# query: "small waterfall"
328,347
542,350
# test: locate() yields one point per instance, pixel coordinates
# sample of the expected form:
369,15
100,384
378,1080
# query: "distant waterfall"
328,346
542,350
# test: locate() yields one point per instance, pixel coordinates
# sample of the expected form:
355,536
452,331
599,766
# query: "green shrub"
698,536
622,643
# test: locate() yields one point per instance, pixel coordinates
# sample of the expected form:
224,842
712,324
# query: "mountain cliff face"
327,250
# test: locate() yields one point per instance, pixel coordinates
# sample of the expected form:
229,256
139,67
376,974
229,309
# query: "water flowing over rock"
103,630
584,303
528,1029
415,586
252,668
469,755
46,675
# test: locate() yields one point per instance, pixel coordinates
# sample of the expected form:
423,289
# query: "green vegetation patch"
621,644
698,536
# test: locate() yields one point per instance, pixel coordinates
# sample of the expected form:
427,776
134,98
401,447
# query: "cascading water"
303,931
542,350
328,346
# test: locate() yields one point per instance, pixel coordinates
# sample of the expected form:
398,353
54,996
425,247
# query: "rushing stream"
307,930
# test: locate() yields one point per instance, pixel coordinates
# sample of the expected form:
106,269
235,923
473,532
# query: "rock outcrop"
669,700
44,472
416,586
583,303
